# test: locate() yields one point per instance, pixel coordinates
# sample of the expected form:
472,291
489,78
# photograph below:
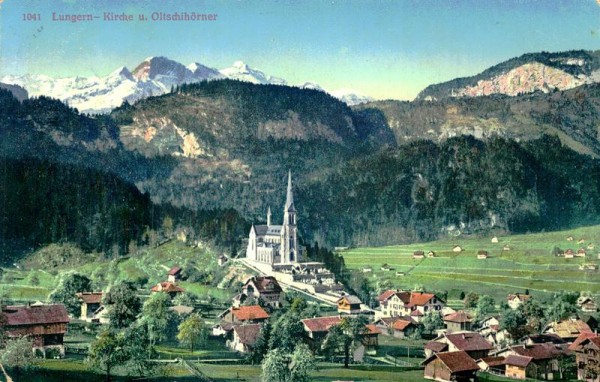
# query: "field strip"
510,277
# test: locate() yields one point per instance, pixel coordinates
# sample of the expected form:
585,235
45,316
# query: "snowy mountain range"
153,76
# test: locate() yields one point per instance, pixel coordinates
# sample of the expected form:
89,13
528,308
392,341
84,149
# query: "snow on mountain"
204,72
350,97
242,72
312,85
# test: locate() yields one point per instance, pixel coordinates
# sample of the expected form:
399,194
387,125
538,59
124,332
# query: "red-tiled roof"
252,312
386,295
90,297
401,324
469,341
167,287
537,351
518,360
582,337
456,361
321,324
35,315
420,298
372,329
436,346
248,334
460,317
493,361
174,271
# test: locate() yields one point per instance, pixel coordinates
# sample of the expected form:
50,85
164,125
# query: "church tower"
289,240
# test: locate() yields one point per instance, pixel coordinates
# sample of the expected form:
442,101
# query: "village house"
431,254
244,314
317,329
399,327
44,325
264,288
515,300
472,343
395,303
568,329
553,339
418,255
458,321
580,252
544,359
450,366
586,304
492,365
91,304
167,287
348,304
174,275
457,248
587,356
519,367
482,255
569,254
244,337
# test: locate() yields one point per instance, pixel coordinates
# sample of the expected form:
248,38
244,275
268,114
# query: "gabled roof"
545,338
568,327
270,230
35,315
456,361
518,360
174,271
321,324
265,284
402,324
520,296
248,334
386,295
372,329
167,287
386,321
492,361
350,299
459,317
420,298
469,341
537,351
252,312
436,346
90,297
582,337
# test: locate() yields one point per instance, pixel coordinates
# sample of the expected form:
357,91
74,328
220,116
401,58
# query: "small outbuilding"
450,366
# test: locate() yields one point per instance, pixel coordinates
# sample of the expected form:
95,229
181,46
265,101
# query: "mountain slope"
525,74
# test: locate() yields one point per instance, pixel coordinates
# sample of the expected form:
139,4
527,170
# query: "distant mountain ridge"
528,73
153,76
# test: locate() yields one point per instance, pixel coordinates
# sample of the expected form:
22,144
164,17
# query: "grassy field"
529,264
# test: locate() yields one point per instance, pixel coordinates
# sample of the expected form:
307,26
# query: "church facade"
276,244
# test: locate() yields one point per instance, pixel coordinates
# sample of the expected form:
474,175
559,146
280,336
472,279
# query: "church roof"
265,230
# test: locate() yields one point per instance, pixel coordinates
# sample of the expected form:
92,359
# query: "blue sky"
385,49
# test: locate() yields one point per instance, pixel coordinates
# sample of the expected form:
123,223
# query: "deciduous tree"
123,305
192,331
68,285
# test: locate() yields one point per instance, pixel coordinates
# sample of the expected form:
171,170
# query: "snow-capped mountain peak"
350,97
242,72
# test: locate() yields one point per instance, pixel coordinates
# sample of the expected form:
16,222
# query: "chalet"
90,304
482,255
519,367
494,239
472,343
244,337
174,275
264,288
587,355
244,314
45,325
568,329
418,255
492,365
543,356
457,248
450,366
317,329
386,268
569,254
586,304
580,241
515,300
413,304
167,287
399,327
458,321
348,304
580,252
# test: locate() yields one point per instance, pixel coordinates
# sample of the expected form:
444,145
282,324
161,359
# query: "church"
276,244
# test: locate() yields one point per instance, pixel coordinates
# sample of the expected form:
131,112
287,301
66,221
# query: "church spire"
269,215
289,202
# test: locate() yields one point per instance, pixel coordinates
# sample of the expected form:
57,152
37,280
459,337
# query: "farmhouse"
264,288
244,314
450,366
457,248
568,329
418,255
167,287
174,275
399,327
569,253
471,343
515,300
580,252
348,304
543,356
587,355
45,325
493,365
244,337
458,321
431,254
482,255
414,304
586,304
519,367
317,329
90,305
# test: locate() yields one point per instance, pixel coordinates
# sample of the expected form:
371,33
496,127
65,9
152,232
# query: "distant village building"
459,321
470,342
317,329
587,356
450,366
492,365
457,248
517,299
244,337
221,260
418,255
568,329
494,239
174,275
276,244
167,287
367,269
586,304
348,304
569,254
92,309
45,325
399,327
580,252
431,254
264,288
182,310
244,314
506,248
519,367
395,303
544,359
482,255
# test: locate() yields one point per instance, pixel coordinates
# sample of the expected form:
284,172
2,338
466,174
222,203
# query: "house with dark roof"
492,365
264,288
317,329
472,343
174,275
458,321
399,327
586,304
244,314
450,366
518,366
167,287
418,255
348,304
90,303
45,325
244,337
414,304
543,356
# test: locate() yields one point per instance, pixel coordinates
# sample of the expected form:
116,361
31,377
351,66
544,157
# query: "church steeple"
269,215
289,201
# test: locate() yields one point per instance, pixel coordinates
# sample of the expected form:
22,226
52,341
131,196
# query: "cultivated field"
527,264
